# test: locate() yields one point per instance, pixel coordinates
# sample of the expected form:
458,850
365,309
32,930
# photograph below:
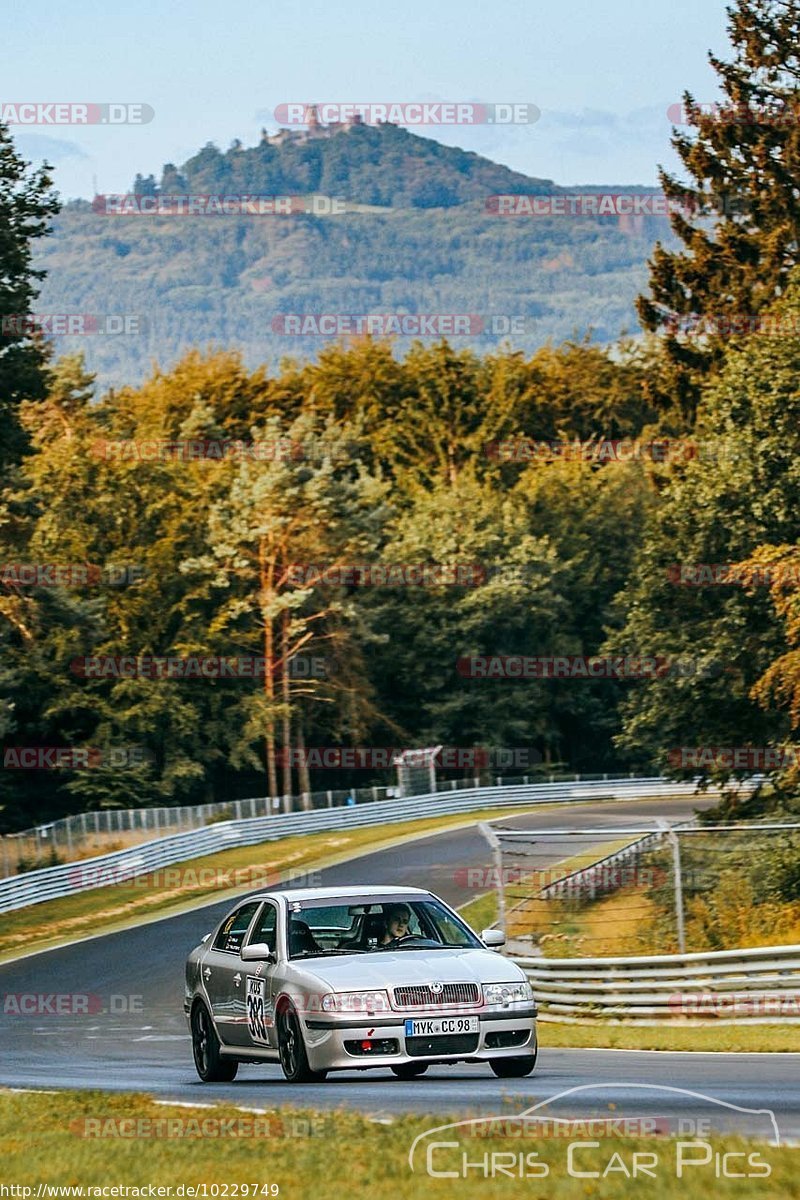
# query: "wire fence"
648,890
87,834
137,862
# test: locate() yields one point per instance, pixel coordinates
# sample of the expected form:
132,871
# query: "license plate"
435,1027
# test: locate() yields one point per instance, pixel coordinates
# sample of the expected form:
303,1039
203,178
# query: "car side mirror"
204,938
493,937
257,952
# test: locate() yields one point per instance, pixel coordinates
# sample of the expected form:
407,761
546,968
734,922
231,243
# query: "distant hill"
432,248
383,165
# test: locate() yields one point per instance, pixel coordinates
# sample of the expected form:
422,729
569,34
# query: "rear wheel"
209,1063
410,1070
292,1049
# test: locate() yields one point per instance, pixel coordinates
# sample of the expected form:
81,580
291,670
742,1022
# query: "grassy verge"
43,1139
198,880
480,913
562,926
740,1039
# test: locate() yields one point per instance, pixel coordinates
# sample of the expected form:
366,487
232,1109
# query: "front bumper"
331,1039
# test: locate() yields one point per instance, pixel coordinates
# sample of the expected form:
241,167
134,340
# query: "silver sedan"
337,979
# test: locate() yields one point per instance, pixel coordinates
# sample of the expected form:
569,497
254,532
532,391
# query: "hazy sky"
603,73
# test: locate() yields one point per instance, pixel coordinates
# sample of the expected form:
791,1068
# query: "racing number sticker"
256,1009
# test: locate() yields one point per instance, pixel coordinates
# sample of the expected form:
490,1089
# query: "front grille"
461,1043
422,996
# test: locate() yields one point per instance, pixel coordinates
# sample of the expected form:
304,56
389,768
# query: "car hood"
406,967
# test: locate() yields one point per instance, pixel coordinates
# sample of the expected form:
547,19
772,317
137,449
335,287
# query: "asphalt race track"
137,1039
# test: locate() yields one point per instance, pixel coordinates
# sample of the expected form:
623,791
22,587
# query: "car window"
233,928
265,928
318,929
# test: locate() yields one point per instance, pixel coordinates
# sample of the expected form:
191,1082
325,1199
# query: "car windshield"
320,929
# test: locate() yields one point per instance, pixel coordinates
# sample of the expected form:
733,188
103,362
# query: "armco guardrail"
600,877
754,986
35,887
102,831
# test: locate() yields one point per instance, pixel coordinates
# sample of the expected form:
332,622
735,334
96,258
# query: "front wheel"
410,1070
209,1063
292,1049
514,1068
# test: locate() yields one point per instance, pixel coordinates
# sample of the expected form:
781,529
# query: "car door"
259,1029
223,973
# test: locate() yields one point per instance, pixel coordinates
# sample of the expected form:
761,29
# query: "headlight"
506,993
356,1002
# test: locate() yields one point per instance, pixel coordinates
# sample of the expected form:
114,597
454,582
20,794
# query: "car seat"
372,930
301,939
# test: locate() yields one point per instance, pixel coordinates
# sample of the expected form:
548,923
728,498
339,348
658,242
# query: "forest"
230,578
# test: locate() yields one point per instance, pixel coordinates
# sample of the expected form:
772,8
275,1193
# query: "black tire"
514,1068
209,1063
292,1049
410,1070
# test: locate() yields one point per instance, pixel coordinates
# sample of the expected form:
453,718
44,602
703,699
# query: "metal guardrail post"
497,855
676,870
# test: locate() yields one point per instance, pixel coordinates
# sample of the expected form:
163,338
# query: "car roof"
335,893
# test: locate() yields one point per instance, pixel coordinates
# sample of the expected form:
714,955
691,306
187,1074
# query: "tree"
740,493
273,515
145,186
26,204
744,163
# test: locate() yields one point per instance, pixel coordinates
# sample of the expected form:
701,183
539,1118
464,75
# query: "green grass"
739,1038
327,1155
198,880
480,913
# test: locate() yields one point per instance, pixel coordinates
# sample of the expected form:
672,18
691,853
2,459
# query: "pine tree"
26,203
744,160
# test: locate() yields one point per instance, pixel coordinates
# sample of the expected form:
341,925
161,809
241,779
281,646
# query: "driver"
397,918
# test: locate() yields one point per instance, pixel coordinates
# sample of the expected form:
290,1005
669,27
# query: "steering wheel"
407,937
